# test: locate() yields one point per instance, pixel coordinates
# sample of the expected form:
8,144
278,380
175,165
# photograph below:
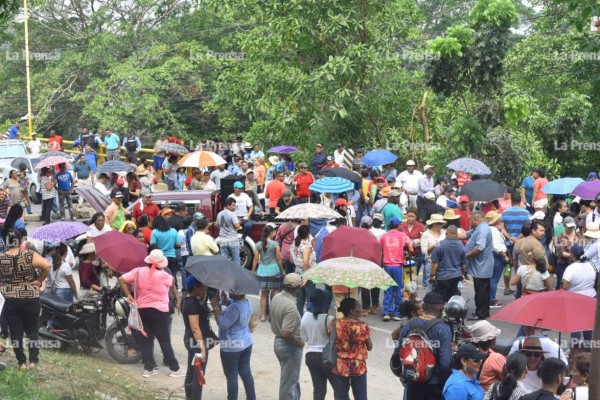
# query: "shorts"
270,282
540,203
157,163
507,270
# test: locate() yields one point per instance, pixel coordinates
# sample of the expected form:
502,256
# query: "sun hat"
436,219
378,217
449,215
469,351
273,160
141,170
482,331
593,230
533,344
492,217
410,163
157,259
238,185
385,192
292,280
569,222
191,282
538,215
429,196
319,301
88,248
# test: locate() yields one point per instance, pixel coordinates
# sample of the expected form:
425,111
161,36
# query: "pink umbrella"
121,251
50,162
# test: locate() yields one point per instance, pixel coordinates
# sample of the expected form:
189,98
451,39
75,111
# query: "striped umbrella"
561,186
469,166
202,158
50,162
111,166
331,185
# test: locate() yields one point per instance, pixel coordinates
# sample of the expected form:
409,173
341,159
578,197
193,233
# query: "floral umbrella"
308,210
350,272
59,231
173,148
470,166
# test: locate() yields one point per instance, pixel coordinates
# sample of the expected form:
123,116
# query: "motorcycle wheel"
117,345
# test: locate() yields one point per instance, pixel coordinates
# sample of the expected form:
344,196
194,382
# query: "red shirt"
151,210
393,243
173,139
55,143
334,165
417,230
302,184
464,179
464,219
147,235
274,192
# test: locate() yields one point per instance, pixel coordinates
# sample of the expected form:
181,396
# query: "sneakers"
396,318
148,374
496,304
180,373
386,318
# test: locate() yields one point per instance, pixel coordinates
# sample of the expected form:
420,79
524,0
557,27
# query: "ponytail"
265,236
516,364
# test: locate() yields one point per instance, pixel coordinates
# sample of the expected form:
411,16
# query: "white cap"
410,162
538,215
429,196
426,167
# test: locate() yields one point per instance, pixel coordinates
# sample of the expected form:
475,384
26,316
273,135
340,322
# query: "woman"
511,387
500,254
98,226
202,243
483,336
134,186
534,278
261,173
304,258
410,309
143,223
61,282
166,238
580,375
462,383
505,202
20,289
270,271
352,342
127,227
235,343
89,271
180,178
414,229
197,334
48,190
24,182
14,187
14,220
139,235
558,208
430,238
286,165
564,243
313,330
152,285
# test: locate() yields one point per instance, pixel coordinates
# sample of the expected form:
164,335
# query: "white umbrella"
202,158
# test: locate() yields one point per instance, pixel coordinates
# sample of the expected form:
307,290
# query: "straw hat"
449,215
88,248
593,230
533,344
141,170
436,219
492,217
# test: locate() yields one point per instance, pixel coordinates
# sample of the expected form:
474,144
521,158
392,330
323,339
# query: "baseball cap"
238,185
592,175
410,162
302,165
366,220
339,145
197,216
191,282
146,193
469,350
569,222
464,199
577,250
394,193
379,179
426,167
394,221
378,216
117,194
292,280
120,182
34,133
341,202
538,215
329,158
429,196
319,145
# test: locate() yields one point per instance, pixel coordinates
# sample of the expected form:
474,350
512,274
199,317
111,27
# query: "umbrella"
483,190
223,274
308,210
470,166
114,166
59,231
559,310
53,154
173,148
375,158
350,272
587,190
121,251
561,186
201,158
283,149
50,162
342,173
331,185
347,241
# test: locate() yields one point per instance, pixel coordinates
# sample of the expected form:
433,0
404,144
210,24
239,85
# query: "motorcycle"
83,323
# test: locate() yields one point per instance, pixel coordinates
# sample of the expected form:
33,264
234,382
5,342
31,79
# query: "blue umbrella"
470,166
561,186
283,149
332,185
375,158
115,166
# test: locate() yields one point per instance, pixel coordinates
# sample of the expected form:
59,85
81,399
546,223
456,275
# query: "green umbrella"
351,272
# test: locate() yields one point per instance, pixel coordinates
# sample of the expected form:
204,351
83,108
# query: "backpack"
90,140
417,355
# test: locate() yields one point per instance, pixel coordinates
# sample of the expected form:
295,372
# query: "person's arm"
139,145
123,282
369,344
306,258
194,321
535,190
515,279
290,338
43,265
175,294
72,285
255,261
177,240
548,284
279,261
523,198
565,284
250,210
396,334
434,267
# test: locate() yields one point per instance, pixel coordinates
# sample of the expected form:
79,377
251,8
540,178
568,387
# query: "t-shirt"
491,371
351,345
532,279
112,141
530,250
242,204
203,244
59,277
528,186
64,180
393,243
282,206
55,143
389,211
227,221
581,277
274,192
268,261
539,185
89,275
153,287
514,218
46,193
450,255
166,241
314,332
82,171
460,387
191,306
34,147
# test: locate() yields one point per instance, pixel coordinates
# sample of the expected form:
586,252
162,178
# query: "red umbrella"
120,251
558,310
347,241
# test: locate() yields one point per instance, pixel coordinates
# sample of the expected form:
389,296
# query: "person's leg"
496,275
319,379
247,228
290,372
560,270
246,373
70,205
163,336
147,342
230,362
47,210
482,296
173,267
301,300
30,312
235,253
453,288
264,294
442,287
375,299
55,205
426,273
359,387
12,312
365,295
61,204
190,375
341,386
398,276
388,295
183,274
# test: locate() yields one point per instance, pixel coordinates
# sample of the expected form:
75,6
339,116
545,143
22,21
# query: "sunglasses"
532,353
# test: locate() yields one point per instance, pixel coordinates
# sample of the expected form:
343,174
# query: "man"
394,243
286,201
197,183
208,184
409,180
318,160
237,148
55,142
91,157
426,184
64,184
245,167
218,174
100,184
236,166
500,254
112,142
553,372
132,146
446,195
13,132
391,209
532,348
513,219
376,193
433,305
256,153
390,173
429,208
274,191
252,190
175,221
83,174
330,163
527,190
285,324
594,216
338,156
531,248
145,207
480,262
302,182
548,345
159,154
89,139
115,214
448,265
229,224
34,145
244,207
464,212
360,153
4,204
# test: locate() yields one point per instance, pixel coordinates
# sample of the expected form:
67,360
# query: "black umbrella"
343,173
483,190
223,274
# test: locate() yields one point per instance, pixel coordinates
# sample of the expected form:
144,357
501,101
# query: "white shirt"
403,203
532,382
210,185
377,232
59,277
498,242
441,201
99,186
242,204
34,147
410,182
531,278
314,332
581,277
547,345
338,158
590,217
557,220
93,232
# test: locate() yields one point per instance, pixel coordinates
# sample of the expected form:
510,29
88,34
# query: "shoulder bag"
135,320
329,355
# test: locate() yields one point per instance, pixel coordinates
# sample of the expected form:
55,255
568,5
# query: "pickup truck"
209,203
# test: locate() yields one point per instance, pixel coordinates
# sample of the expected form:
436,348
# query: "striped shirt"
518,391
514,218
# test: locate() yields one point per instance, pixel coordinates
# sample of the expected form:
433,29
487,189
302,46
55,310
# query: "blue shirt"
234,169
528,186
166,241
450,255
234,333
460,387
92,159
13,132
514,218
82,170
482,265
112,141
64,180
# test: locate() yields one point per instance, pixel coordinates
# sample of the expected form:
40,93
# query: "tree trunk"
423,117
595,365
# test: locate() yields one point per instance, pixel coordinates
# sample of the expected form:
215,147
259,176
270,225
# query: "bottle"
460,285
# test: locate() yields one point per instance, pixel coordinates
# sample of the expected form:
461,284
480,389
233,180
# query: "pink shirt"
393,243
539,185
492,370
153,287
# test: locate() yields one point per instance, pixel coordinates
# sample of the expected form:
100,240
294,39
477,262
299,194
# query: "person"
274,191
145,207
256,152
580,376
112,142
285,238
34,145
511,386
64,184
448,265
286,201
483,336
167,239
101,184
409,180
431,238
202,244
285,325
462,383
83,174
352,342
260,170
60,279
140,236
91,157
236,341
134,187
20,284
318,160
228,226
500,253
552,374
48,190
13,186
159,153
426,184
244,207
132,146
513,219
540,199
152,285
531,347
304,258
579,277
55,142
527,190
267,258
414,229
338,155
128,227
115,213
217,175
391,209
433,305
534,277
564,243
314,332
97,226
429,207
89,271
196,337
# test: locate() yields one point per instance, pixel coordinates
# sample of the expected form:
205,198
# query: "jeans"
231,250
47,205
390,305
303,295
447,287
303,200
560,271
370,297
65,294
23,316
247,228
482,297
133,156
342,384
424,391
182,263
112,154
288,266
290,361
426,272
318,373
156,324
174,267
238,363
193,390
62,196
496,275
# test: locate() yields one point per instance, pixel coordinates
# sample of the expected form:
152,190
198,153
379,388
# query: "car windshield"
12,150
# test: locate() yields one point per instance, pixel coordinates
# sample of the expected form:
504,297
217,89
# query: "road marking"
374,328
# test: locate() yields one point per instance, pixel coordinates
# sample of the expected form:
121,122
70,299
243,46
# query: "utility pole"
29,115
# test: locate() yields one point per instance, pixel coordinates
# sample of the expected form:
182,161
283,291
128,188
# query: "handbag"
329,355
135,320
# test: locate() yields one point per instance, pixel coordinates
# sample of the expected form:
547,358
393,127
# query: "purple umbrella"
59,231
283,149
587,190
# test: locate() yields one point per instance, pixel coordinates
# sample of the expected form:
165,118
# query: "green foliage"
516,109
446,46
498,13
